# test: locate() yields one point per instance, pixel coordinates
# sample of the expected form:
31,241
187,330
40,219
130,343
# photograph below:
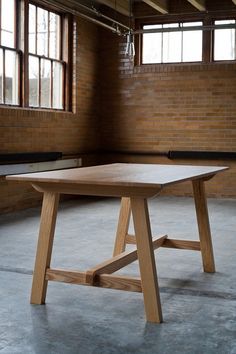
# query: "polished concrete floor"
199,309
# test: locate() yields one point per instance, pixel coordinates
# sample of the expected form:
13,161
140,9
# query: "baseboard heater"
29,157
202,155
177,154
35,162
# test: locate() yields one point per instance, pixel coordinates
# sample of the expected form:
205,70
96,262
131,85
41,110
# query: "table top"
123,175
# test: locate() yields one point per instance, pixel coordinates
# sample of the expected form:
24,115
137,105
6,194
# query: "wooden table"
134,183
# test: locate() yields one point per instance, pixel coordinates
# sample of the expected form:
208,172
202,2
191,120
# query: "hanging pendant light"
130,50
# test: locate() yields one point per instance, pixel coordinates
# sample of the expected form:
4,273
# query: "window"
172,47
224,41
35,66
46,68
9,55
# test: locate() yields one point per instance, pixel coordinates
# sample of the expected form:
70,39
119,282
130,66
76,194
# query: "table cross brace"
170,243
99,275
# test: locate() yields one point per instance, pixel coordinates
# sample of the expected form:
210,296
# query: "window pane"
57,85
224,42
192,43
152,46
11,77
32,24
171,45
33,81
42,32
45,83
1,76
7,23
54,43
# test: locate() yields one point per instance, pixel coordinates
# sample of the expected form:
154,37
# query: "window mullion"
0,22
4,76
207,42
63,86
25,48
40,82
36,30
162,45
234,42
15,24
61,40
48,49
51,86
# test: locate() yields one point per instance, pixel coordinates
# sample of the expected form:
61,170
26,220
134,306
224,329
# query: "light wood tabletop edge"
32,177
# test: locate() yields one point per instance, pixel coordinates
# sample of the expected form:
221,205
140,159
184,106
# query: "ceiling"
115,15
165,6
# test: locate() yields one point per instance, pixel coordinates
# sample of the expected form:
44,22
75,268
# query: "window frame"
47,57
207,40
180,23
21,22
213,40
18,52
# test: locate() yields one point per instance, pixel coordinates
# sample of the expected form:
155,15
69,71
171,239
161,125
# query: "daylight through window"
9,55
224,42
46,68
172,47
35,56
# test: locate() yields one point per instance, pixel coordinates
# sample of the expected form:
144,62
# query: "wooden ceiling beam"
121,6
159,5
199,4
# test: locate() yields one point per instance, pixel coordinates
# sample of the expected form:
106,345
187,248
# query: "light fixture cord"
130,14
116,15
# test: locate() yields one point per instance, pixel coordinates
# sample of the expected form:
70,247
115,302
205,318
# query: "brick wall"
120,107
169,107
28,130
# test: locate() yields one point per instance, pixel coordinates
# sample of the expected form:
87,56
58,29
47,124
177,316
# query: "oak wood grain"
44,247
123,226
182,244
146,259
119,261
121,174
171,243
203,226
116,282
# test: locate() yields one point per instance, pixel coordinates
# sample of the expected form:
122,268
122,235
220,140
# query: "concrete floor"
199,309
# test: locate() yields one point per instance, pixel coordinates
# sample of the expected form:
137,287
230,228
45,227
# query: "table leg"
146,260
203,226
123,226
44,248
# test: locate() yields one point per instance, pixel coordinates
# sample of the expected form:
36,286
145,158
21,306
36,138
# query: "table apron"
97,190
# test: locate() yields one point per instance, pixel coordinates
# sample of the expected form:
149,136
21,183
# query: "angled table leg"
203,226
44,247
123,226
146,260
